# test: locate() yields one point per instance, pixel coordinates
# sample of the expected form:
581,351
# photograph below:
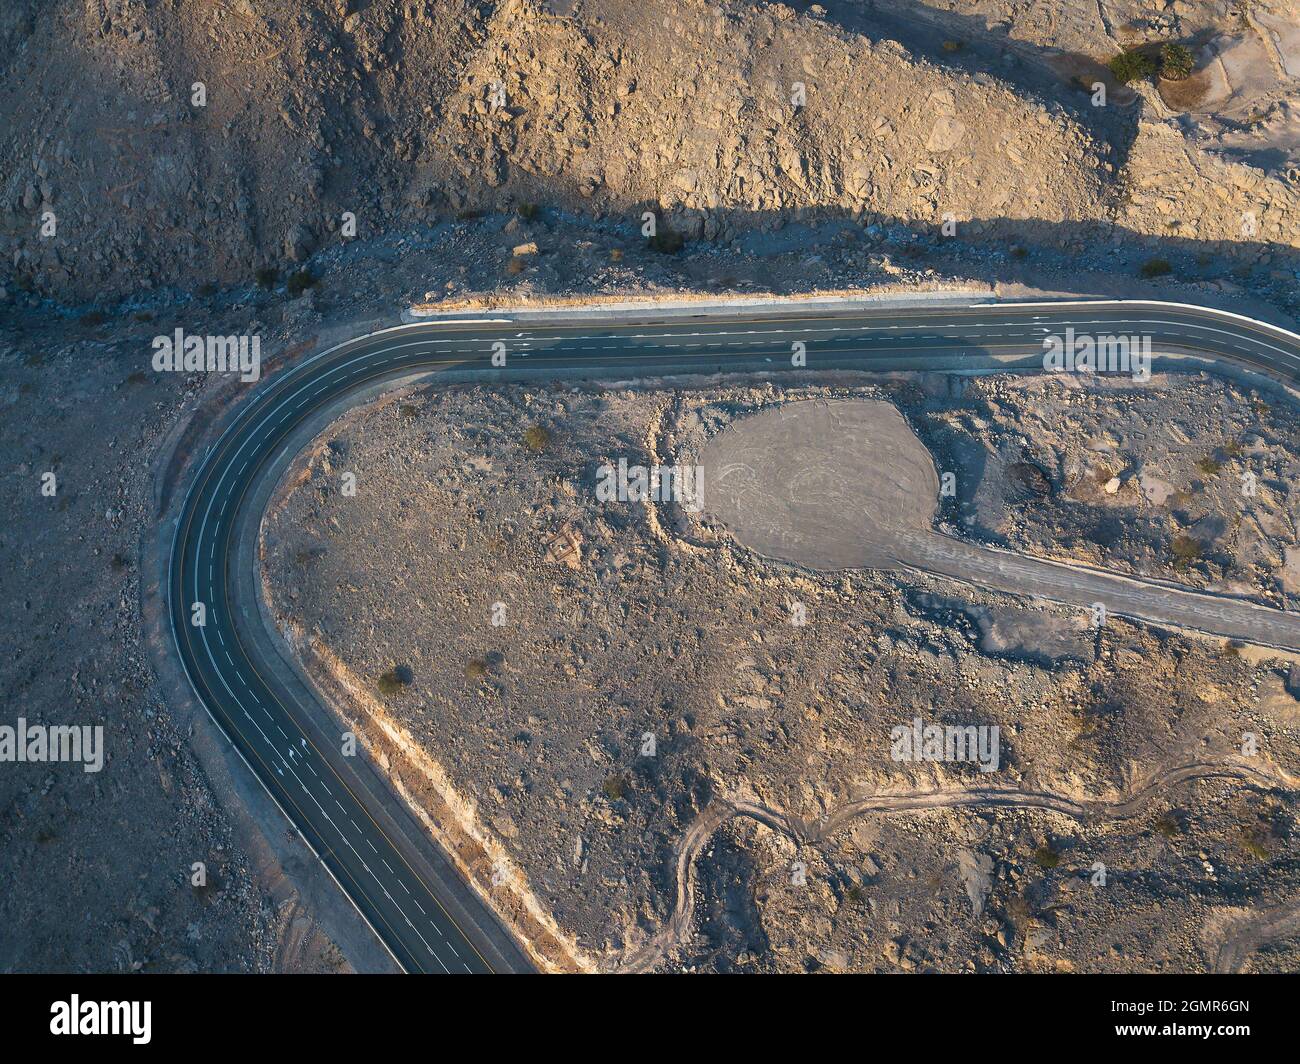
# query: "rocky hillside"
177,144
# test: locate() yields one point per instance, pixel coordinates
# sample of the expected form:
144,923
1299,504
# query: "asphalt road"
417,905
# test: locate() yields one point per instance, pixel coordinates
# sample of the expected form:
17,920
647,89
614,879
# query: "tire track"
811,832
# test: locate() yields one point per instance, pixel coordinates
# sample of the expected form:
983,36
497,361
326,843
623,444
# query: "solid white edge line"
236,424
1142,303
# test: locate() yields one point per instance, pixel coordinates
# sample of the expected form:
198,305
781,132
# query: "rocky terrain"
97,867
682,774
79,398
1187,478
169,165
152,145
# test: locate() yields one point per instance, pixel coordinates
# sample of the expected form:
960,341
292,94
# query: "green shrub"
527,211
1155,268
536,438
1131,66
267,277
1169,826
1255,843
1185,549
1176,62
668,241
299,282
391,682
1046,857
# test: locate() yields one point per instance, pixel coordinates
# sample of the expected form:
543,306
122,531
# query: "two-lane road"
386,863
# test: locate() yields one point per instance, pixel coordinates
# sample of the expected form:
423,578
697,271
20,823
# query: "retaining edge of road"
637,310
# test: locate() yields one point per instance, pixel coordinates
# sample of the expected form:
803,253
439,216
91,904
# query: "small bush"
516,265
391,682
94,317
667,241
527,211
267,277
953,46
1046,857
1155,268
477,669
206,290
536,438
1131,66
1254,842
1169,825
1186,550
615,788
299,282
615,254
1176,62
1209,465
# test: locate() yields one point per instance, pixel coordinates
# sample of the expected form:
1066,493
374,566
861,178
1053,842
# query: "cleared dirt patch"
823,484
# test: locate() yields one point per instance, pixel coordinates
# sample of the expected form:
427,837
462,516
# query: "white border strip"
1287,333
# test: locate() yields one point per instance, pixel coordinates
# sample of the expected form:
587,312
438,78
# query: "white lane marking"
1162,303
328,818
293,398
